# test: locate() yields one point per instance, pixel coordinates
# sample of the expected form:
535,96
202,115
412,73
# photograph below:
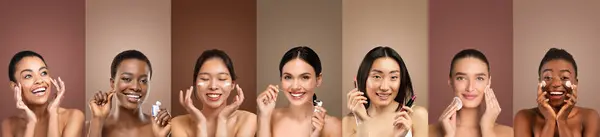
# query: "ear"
12,85
450,82
319,79
112,83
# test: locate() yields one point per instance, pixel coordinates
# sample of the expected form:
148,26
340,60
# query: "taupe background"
55,30
282,25
401,25
202,25
541,25
483,25
113,26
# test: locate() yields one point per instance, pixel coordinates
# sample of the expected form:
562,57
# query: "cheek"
285,84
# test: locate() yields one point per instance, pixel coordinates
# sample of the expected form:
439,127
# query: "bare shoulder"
333,126
8,123
71,113
590,115
419,112
504,130
180,120
434,130
244,114
526,113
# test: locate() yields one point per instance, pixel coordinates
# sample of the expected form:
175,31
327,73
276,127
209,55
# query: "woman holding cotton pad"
131,73
41,114
470,79
214,81
556,113
381,105
300,75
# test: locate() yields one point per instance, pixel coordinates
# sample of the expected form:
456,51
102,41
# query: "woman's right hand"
356,101
101,103
266,100
188,104
31,118
543,105
448,119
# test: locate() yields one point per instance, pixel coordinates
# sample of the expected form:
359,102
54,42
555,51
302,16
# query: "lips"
383,96
297,95
213,96
469,96
556,95
133,97
39,91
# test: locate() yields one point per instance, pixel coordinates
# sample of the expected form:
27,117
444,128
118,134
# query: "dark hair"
469,53
214,53
382,52
556,54
128,54
12,66
304,53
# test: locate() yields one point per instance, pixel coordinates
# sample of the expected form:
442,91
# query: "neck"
40,111
129,117
301,112
375,110
468,117
211,114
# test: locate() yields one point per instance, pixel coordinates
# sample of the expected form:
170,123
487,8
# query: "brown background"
54,29
483,25
541,25
202,25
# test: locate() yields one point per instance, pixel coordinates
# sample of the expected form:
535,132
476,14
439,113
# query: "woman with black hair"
214,81
300,73
470,79
42,115
556,113
378,103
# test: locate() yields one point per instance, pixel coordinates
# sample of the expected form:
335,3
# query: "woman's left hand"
55,104
570,102
492,110
318,121
229,109
403,122
161,124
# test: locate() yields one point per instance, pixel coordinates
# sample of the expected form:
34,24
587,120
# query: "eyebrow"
378,71
546,70
460,73
305,73
565,70
29,70
480,74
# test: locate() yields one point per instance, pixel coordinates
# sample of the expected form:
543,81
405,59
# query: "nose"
470,86
135,86
296,85
38,80
556,83
212,84
384,86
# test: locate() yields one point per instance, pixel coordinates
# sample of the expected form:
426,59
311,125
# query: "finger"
109,98
574,92
165,119
407,109
181,98
349,95
540,90
188,94
240,94
159,117
62,86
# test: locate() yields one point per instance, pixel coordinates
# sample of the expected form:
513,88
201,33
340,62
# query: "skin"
40,117
470,81
127,120
299,118
557,116
382,118
216,117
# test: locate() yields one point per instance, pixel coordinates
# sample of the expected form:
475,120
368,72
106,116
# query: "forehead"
385,64
30,62
557,65
297,66
470,65
134,66
213,65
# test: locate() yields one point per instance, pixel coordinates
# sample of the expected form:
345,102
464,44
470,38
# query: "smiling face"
131,83
383,81
34,77
556,73
298,81
214,83
469,80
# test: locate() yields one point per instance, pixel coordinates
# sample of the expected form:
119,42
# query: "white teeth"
297,94
213,95
134,96
556,93
39,90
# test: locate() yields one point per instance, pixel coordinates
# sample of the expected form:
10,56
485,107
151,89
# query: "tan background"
113,26
483,25
53,29
286,24
541,25
401,25
202,25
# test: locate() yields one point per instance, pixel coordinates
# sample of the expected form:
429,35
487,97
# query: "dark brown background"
483,25
202,25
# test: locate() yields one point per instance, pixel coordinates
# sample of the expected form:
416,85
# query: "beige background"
541,25
401,25
113,26
286,24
